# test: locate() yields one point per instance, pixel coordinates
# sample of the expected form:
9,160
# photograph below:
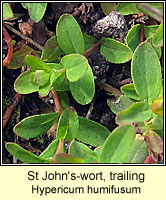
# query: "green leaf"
17,60
154,141
44,90
118,144
7,11
66,158
150,30
36,64
89,41
40,77
127,8
81,150
63,99
59,81
91,132
83,90
137,112
37,10
120,104
133,37
158,37
50,151
157,49
23,84
68,125
108,7
129,91
155,124
114,51
35,125
51,51
76,66
69,35
138,152
146,72
24,155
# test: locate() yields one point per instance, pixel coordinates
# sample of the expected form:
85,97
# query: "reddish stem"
56,101
8,41
9,111
59,149
89,51
142,33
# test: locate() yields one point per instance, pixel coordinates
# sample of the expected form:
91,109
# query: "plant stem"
142,33
109,88
59,149
25,37
89,51
9,111
56,102
8,40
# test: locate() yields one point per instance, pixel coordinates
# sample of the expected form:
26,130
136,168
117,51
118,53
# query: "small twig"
90,109
9,111
125,81
109,88
79,10
89,51
59,149
8,41
24,37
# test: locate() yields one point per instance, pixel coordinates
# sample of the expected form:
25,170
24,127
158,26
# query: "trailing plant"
63,67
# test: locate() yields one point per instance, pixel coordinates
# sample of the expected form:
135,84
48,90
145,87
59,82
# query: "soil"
31,104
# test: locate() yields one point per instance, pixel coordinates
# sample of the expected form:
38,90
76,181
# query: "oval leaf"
150,30
69,35
120,104
51,51
17,60
137,112
133,37
35,125
146,69
36,64
68,125
108,7
82,151
50,151
83,90
129,91
138,152
37,10
114,51
23,84
76,66
118,144
24,155
126,8
158,37
89,41
91,132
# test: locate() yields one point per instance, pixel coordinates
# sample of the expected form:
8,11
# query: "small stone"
113,26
